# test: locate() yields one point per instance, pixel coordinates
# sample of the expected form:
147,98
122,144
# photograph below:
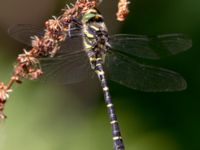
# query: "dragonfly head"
92,15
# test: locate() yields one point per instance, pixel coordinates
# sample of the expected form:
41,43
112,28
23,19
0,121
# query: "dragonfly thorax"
95,36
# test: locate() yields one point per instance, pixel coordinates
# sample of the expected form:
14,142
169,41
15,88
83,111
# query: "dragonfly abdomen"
117,139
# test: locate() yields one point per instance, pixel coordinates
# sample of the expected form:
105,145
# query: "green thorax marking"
95,36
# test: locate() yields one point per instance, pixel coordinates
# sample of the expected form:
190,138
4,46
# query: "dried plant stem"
10,83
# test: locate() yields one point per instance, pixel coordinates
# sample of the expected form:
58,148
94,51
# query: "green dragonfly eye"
92,15
88,16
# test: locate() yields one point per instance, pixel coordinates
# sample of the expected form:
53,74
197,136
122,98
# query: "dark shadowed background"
46,117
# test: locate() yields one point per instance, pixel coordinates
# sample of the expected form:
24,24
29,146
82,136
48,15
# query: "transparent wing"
70,64
150,47
134,75
23,32
66,68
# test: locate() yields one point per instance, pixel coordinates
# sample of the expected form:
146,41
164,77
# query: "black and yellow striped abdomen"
116,134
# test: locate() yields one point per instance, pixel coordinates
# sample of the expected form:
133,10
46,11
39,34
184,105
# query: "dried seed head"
36,42
2,104
34,74
27,58
4,92
54,25
122,10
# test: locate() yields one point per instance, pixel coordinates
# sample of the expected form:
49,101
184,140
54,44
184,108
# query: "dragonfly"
90,49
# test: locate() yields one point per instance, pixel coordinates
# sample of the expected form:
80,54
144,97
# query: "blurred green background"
46,117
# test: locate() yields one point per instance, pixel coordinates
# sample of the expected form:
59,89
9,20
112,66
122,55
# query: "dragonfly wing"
142,77
173,43
150,47
70,64
23,32
65,68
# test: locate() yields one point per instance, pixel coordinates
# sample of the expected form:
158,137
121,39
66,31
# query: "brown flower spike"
3,96
122,10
